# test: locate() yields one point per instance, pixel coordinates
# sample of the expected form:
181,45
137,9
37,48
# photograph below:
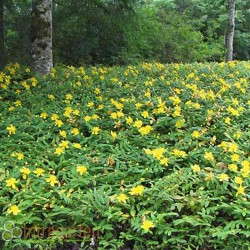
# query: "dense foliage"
150,156
126,31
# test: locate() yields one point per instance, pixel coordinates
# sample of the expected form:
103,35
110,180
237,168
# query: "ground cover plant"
150,156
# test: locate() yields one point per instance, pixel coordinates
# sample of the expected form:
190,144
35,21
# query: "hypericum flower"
209,156
95,130
196,168
240,191
138,123
129,120
11,129
63,133
81,169
87,118
44,115
228,120
12,183
147,224
59,123
145,130
238,180
39,172
18,103
25,171
52,180
68,97
235,157
223,177
76,112
77,145
164,161
64,144
14,209
138,190
179,153
209,176
122,198
180,123
54,117
20,156
196,134
75,131
59,150
51,97
113,134
145,114
233,167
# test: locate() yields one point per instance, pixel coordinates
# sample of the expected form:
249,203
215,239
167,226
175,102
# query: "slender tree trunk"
42,36
2,55
230,31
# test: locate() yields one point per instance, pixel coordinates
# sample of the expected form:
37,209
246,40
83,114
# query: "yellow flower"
147,224
238,180
196,168
77,145
14,209
158,153
164,161
209,176
122,198
138,190
18,103
180,123
179,153
196,134
75,131
95,130
87,118
68,97
59,150
129,120
233,167
44,115
63,133
52,180
54,117
138,123
235,157
39,172
25,171
51,97
223,177
228,120
145,114
11,129
64,144
81,169
20,156
11,183
114,135
240,191
145,130
209,156
59,123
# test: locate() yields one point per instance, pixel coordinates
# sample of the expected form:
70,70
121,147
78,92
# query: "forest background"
122,32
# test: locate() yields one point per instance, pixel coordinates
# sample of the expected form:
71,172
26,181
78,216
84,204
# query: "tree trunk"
230,31
1,35
42,36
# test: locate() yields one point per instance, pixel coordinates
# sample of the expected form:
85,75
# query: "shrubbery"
150,156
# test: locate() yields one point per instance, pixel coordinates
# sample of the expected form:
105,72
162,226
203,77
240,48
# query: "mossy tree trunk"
230,31
42,36
1,35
